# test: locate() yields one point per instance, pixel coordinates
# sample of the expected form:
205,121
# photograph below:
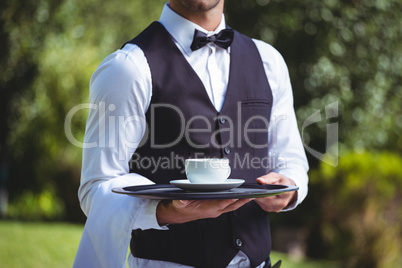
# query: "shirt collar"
182,30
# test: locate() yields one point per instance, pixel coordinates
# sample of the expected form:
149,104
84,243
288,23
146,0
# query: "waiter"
188,86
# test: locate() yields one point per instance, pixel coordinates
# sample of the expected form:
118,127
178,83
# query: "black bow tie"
222,39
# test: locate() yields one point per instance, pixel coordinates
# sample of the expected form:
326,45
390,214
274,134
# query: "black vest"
183,123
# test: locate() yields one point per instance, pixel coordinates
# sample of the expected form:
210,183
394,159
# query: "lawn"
42,245
38,245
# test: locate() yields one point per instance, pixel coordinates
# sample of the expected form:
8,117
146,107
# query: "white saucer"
207,187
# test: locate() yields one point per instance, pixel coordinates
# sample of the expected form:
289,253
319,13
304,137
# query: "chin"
199,5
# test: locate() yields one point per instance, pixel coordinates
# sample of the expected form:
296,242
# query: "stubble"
199,5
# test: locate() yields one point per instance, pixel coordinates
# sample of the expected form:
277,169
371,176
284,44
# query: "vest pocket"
255,102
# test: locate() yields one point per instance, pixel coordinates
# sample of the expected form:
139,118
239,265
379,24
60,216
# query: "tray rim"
178,194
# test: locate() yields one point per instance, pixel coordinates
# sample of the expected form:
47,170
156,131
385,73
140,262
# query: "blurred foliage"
355,211
31,206
345,51
50,50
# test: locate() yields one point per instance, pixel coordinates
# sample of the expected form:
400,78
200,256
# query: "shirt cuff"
146,219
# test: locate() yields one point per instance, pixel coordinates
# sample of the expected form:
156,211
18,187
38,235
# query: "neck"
209,19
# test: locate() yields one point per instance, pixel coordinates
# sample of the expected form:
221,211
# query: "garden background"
345,62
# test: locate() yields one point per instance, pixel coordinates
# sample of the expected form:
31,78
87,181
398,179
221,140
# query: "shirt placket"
215,75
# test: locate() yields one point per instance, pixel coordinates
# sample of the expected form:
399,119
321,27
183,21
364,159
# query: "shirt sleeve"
286,151
120,93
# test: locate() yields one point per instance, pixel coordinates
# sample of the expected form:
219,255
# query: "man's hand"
181,211
278,202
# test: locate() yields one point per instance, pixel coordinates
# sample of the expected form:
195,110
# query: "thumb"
267,179
262,180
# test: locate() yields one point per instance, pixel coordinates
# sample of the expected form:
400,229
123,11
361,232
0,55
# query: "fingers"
275,178
273,203
270,178
239,203
208,208
182,203
218,207
195,204
279,202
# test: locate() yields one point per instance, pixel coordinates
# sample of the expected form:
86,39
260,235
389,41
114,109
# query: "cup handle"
229,171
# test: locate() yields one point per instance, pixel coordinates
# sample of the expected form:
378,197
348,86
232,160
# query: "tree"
51,49
345,51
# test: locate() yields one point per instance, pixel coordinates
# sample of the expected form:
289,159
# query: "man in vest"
186,87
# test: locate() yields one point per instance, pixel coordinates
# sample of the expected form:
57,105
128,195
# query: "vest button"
239,243
222,120
235,213
227,150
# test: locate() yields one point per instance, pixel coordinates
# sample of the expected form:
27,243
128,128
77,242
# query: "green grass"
38,245
42,245
288,262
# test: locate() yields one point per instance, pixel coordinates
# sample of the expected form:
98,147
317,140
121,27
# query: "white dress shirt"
120,94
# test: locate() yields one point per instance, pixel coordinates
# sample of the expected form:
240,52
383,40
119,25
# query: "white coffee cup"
207,170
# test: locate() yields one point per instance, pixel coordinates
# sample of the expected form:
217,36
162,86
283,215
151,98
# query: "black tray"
170,192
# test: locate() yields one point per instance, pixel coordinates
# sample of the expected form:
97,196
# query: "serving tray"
170,192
